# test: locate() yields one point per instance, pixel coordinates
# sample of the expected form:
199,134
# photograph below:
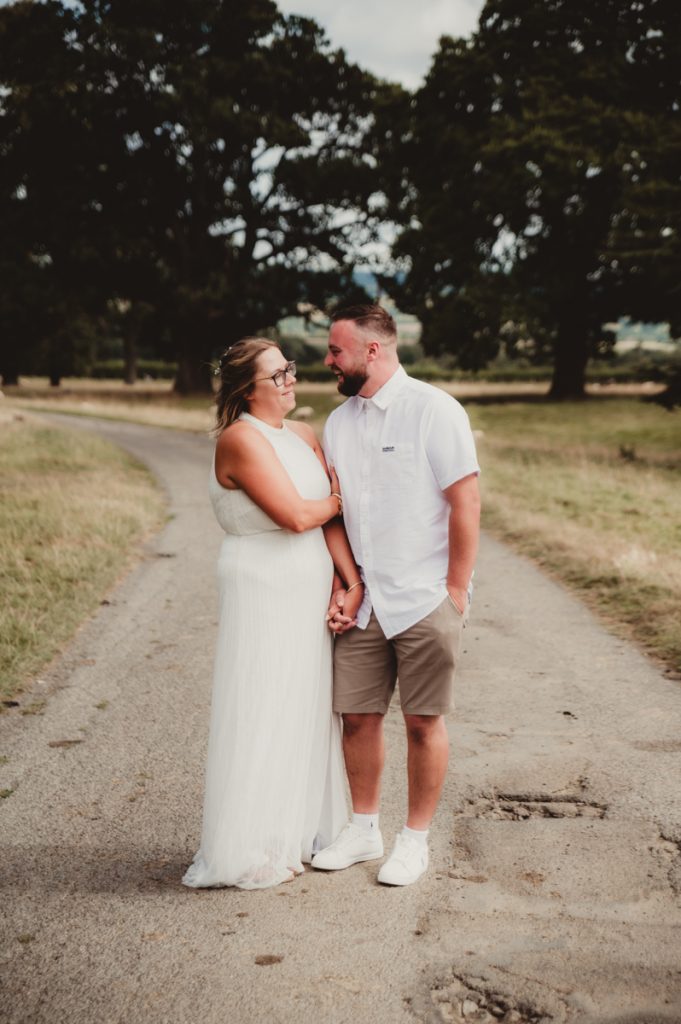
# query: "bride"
274,777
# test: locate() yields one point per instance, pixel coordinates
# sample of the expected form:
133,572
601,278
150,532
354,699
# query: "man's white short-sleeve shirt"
394,454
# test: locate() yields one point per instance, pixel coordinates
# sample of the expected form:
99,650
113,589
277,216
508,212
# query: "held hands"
345,600
343,607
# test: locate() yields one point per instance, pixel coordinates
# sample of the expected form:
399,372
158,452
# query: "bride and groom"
398,566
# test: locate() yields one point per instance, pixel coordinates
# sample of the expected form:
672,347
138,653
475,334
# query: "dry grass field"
74,509
590,490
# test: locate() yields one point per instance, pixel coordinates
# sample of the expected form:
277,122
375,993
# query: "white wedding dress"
274,777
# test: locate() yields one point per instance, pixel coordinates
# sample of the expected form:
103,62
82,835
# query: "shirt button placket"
365,494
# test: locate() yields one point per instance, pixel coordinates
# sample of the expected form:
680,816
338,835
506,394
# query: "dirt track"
554,891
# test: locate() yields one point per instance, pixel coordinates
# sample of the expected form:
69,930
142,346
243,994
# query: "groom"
406,460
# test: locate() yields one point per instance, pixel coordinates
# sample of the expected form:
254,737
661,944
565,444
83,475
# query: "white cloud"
394,39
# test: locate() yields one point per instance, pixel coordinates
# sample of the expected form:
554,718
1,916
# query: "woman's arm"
245,459
347,592
338,544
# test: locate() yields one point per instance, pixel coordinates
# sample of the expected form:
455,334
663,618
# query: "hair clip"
221,360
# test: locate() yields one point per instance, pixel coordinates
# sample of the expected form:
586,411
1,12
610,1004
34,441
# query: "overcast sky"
394,39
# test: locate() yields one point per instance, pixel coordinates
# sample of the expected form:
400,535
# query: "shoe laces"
348,833
406,847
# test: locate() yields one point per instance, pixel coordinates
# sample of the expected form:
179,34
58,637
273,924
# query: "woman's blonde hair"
237,369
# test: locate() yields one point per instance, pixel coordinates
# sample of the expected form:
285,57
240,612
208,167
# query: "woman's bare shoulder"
239,437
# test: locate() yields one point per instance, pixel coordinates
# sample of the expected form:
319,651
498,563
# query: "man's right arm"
463,498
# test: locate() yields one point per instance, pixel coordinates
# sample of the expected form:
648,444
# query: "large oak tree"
218,176
538,178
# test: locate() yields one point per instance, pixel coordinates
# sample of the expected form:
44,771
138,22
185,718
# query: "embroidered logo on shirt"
388,448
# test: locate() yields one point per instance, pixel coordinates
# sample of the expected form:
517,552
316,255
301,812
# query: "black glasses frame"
279,377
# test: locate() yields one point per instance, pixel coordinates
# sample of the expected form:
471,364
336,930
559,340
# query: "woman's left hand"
343,608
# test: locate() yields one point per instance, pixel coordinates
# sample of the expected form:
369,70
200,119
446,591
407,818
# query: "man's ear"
373,350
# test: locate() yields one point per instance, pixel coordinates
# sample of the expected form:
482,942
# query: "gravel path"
554,891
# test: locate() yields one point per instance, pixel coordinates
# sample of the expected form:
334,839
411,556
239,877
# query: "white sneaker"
406,863
352,845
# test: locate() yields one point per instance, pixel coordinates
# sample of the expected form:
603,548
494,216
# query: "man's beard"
352,383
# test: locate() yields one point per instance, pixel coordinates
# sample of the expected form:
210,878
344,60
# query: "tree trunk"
670,398
194,374
130,354
55,378
571,355
15,357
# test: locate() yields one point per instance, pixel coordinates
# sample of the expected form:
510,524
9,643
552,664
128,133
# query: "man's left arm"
463,498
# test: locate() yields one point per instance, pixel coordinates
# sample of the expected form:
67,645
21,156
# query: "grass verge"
591,492
153,402
73,509
587,489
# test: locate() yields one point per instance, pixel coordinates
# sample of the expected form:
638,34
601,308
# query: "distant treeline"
175,177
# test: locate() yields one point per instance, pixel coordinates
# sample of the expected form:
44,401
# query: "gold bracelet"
357,584
335,494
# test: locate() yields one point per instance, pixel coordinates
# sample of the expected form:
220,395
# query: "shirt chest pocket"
395,470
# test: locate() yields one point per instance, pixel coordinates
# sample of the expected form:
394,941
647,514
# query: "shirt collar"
387,392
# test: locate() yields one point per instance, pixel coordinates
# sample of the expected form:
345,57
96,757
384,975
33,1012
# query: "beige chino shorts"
424,657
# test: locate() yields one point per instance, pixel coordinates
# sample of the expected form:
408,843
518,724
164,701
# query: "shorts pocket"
463,615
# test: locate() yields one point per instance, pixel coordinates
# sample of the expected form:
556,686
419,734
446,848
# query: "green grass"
595,427
590,490
73,509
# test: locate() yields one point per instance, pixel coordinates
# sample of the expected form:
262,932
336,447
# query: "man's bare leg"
364,752
427,759
361,838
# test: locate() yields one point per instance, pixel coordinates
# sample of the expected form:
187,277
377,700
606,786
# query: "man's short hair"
372,319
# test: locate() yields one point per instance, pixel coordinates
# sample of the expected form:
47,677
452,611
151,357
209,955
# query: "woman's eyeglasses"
279,377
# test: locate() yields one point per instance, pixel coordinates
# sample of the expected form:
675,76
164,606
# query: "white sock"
417,834
369,822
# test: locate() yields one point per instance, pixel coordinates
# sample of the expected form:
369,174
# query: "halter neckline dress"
275,790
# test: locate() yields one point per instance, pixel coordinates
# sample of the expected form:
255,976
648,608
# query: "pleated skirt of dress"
274,773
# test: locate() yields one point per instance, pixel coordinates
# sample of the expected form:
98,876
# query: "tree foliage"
190,173
47,204
196,170
539,183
